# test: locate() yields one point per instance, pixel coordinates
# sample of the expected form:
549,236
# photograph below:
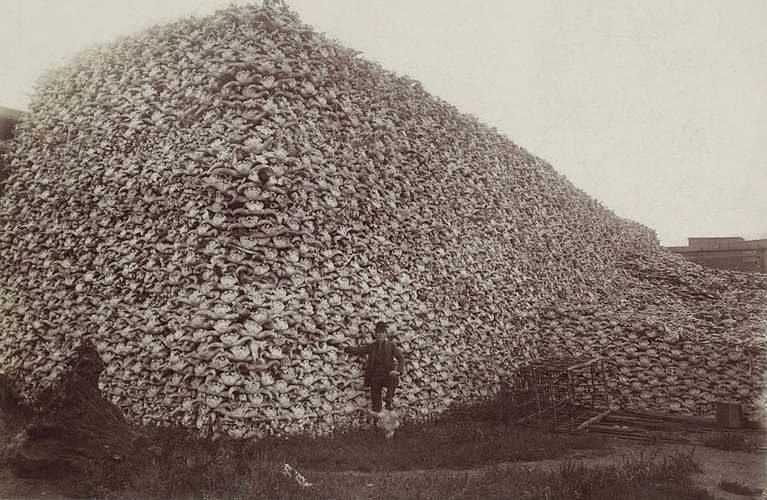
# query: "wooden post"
571,387
604,382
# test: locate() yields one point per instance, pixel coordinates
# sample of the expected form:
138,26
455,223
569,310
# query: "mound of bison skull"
220,205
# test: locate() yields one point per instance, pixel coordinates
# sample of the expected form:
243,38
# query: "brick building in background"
732,253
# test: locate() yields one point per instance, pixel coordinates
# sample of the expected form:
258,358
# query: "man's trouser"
376,388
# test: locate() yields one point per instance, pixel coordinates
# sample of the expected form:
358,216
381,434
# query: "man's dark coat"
390,352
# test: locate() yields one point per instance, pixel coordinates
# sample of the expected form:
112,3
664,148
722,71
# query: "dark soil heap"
74,429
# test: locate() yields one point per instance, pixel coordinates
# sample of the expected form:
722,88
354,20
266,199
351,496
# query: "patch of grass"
736,488
463,485
453,444
732,441
654,438
189,466
645,476
683,490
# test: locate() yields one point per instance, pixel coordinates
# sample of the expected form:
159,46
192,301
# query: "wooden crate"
728,414
562,394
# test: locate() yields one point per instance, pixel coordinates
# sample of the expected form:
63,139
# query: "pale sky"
658,109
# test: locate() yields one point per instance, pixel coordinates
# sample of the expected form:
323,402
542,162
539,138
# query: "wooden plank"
641,436
616,426
542,412
619,434
675,418
592,420
644,418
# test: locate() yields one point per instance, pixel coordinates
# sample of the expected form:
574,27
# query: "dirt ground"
12,487
749,469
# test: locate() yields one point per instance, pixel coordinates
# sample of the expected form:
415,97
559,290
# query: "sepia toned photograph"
367,249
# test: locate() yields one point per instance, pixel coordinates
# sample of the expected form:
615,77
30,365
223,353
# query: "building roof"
719,244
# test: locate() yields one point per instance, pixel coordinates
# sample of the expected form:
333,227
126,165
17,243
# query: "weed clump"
731,441
186,466
646,476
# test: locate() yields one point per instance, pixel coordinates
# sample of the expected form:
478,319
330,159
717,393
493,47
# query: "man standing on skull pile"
380,369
